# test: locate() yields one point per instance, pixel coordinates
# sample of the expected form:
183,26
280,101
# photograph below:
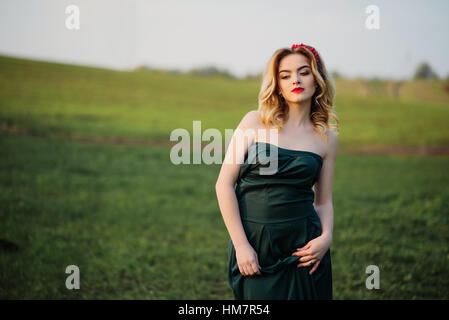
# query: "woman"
280,227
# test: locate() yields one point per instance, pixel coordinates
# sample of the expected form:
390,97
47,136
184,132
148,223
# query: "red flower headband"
312,49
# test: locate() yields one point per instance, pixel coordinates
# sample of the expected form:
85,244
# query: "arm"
224,186
323,188
246,256
315,249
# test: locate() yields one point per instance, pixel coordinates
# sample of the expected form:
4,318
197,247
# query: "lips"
298,89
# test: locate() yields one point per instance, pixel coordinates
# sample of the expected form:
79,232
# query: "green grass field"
139,227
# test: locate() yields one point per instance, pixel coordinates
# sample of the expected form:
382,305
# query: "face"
295,71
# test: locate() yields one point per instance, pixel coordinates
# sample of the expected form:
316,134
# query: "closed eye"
303,74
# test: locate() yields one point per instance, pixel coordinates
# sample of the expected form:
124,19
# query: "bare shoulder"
332,143
250,121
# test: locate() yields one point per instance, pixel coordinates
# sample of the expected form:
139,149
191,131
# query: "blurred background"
91,90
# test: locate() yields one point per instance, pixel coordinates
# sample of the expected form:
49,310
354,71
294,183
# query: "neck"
298,113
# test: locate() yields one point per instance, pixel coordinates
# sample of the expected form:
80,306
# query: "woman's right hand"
247,260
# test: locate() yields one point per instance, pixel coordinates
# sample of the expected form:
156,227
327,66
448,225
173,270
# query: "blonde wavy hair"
273,110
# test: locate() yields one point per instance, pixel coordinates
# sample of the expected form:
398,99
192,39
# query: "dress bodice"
293,174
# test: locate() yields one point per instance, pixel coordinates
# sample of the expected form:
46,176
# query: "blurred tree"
336,75
256,76
424,71
143,67
393,87
211,71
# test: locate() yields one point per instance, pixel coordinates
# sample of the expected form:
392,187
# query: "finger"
249,270
243,272
304,253
308,263
305,258
315,266
302,250
298,253
305,247
255,268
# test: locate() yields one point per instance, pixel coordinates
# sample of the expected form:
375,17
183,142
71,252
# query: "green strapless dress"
278,217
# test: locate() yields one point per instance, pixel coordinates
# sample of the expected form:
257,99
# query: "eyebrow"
305,66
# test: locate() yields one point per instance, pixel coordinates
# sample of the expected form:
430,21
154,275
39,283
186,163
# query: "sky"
236,35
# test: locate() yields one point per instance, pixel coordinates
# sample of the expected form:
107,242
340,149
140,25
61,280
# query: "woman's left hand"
313,252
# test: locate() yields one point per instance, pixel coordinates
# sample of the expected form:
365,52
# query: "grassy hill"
56,99
140,227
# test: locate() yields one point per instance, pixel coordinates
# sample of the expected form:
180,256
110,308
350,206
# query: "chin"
300,98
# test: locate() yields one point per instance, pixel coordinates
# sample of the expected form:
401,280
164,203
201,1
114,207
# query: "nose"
297,80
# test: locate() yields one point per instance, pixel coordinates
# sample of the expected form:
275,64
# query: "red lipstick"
298,89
